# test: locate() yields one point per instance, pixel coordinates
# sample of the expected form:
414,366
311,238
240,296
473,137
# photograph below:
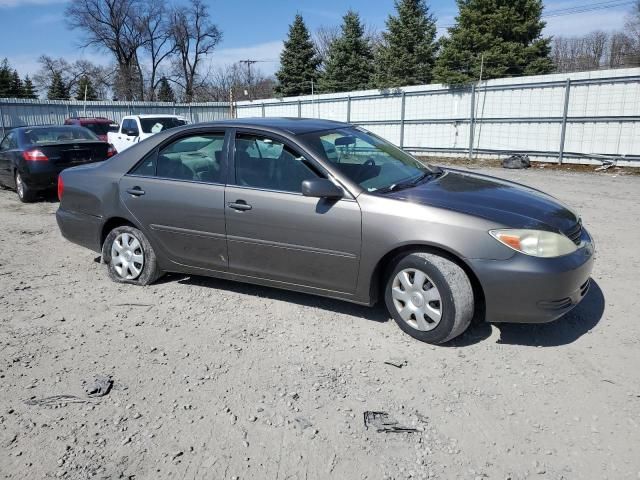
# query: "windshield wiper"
409,183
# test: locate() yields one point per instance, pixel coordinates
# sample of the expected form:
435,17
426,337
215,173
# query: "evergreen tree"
349,64
407,54
165,92
85,84
29,89
506,33
298,61
57,90
16,90
5,79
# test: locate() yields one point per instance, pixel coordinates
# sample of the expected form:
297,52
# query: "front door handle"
135,191
239,205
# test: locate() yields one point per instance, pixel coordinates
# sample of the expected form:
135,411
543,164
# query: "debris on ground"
382,422
397,362
516,162
99,386
54,400
606,165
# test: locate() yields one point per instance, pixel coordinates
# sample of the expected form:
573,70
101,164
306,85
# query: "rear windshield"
157,125
37,136
102,128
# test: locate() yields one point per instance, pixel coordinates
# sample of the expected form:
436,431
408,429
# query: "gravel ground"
214,379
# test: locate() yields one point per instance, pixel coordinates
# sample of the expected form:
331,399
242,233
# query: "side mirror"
321,188
131,133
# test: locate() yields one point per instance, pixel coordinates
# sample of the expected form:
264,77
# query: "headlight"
537,243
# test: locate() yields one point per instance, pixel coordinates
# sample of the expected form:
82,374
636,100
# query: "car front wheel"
429,297
130,257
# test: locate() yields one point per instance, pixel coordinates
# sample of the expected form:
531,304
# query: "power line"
587,8
576,10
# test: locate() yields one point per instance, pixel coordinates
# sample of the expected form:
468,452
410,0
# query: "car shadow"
563,331
376,313
567,329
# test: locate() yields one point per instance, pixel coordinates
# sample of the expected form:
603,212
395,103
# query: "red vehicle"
98,125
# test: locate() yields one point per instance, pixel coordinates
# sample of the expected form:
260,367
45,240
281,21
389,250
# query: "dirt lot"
214,379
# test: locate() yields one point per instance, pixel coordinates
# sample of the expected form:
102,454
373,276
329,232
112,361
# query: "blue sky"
252,28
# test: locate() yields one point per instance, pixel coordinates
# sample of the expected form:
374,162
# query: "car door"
176,194
276,233
130,133
7,149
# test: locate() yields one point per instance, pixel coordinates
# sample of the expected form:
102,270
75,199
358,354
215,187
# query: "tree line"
11,85
489,39
162,52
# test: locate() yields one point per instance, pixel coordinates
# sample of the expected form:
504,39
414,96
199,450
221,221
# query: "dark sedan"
32,157
328,208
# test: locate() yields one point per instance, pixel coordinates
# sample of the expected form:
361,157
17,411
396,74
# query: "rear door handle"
239,205
135,191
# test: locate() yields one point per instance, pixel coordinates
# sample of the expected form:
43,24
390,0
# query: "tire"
136,263
431,316
25,193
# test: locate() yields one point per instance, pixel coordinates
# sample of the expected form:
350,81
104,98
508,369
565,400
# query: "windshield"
37,136
102,128
157,125
368,160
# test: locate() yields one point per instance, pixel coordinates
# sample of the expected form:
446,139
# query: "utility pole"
472,123
249,63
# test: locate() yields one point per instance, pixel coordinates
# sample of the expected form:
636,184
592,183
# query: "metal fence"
581,117
19,112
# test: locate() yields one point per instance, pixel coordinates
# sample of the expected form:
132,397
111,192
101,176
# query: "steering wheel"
364,167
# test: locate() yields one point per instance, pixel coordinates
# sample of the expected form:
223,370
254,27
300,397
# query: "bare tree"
158,41
632,32
595,44
590,52
114,26
620,51
235,78
194,37
71,73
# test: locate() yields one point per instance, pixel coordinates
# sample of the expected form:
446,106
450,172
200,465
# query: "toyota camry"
331,209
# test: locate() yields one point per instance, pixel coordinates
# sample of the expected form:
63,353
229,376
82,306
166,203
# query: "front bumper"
527,289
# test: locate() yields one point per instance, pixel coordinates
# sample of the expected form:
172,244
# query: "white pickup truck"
135,128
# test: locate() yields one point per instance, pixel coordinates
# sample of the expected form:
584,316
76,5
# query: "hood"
506,203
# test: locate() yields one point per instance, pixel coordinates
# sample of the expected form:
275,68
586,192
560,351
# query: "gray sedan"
330,209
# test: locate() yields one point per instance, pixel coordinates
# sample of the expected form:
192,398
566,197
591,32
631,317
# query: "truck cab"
135,128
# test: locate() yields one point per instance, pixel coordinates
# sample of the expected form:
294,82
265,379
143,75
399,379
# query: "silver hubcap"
127,256
417,299
19,186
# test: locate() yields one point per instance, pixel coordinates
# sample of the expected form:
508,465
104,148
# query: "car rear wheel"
25,193
130,257
429,297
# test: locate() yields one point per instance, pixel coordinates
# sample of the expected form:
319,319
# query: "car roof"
292,125
37,127
159,115
91,119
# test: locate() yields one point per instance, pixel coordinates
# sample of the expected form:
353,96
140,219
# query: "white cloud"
581,24
268,53
24,3
28,64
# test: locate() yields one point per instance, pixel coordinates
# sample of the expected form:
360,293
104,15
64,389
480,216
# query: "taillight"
111,151
34,156
60,187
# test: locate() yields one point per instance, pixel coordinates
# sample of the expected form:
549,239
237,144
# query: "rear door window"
197,158
10,142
